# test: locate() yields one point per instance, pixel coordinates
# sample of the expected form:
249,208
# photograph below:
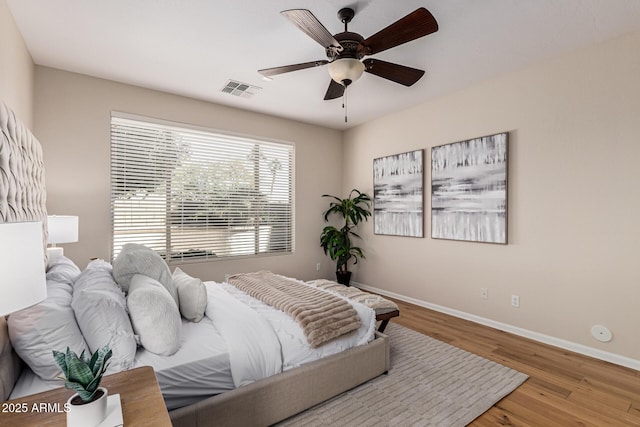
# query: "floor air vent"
244,90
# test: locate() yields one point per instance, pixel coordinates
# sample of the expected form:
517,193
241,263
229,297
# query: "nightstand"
140,397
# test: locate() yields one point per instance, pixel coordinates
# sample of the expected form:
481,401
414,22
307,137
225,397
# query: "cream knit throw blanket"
321,315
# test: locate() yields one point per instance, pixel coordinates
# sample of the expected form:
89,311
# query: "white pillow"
138,259
101,311
154,315
62,270
51,325
192,294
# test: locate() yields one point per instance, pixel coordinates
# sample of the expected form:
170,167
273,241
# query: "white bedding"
295,348
199,369
252,344
202,367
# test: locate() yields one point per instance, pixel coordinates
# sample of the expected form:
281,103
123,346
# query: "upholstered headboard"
22,190
22,198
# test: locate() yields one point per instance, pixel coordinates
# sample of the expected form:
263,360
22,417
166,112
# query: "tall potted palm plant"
336,242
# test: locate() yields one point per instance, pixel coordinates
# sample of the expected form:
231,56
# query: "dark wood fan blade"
307,22
335,90
418,23
267,72
396,73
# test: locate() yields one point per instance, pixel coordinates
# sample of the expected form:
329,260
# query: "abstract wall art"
469,190
398,195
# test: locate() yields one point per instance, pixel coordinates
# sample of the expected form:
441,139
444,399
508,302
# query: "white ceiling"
192,47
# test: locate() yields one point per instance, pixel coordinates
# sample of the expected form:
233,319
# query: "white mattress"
201,367
29,383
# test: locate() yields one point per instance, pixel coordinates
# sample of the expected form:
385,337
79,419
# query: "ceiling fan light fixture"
346,70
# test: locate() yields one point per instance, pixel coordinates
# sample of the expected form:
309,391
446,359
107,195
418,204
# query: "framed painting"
469,190
397,194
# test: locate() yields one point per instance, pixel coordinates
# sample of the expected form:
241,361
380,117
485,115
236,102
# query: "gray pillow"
101,311
193,295
62,270
51,325
139,259
154,315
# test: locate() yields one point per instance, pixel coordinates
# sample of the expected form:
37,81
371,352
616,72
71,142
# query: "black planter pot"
343,277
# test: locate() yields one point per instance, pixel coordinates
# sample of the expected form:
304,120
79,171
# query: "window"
192,194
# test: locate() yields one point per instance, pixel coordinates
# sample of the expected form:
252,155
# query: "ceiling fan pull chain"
344,103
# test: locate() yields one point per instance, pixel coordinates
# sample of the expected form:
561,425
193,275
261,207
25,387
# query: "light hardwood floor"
563,389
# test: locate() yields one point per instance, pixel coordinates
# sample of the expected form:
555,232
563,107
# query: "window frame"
287,242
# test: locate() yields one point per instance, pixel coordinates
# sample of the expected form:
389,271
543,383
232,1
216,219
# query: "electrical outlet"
318,267
515,301
484,293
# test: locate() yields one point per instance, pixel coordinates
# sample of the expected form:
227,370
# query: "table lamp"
62,229
22,270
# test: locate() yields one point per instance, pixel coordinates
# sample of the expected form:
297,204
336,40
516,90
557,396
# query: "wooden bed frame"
263,402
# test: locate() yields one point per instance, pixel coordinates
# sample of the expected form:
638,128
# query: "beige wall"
72,123
16,68
574,202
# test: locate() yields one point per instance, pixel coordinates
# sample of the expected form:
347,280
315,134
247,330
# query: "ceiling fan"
345,50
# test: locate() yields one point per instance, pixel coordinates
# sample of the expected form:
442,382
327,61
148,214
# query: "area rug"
430,383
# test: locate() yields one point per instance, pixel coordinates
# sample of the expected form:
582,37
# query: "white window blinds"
195,194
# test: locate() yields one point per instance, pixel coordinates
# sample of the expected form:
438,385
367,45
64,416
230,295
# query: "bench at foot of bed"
385,309
385,317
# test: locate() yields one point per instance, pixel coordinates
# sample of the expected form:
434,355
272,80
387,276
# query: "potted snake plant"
336,242
88,406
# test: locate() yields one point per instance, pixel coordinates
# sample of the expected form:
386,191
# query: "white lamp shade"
346,69
62,229
22,270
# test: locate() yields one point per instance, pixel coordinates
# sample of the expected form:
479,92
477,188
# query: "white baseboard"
536,336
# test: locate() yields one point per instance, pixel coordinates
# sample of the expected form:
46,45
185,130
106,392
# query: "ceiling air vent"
244,90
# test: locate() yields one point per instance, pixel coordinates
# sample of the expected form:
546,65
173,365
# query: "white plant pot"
89,414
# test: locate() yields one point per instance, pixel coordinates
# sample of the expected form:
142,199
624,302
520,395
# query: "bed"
301,383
